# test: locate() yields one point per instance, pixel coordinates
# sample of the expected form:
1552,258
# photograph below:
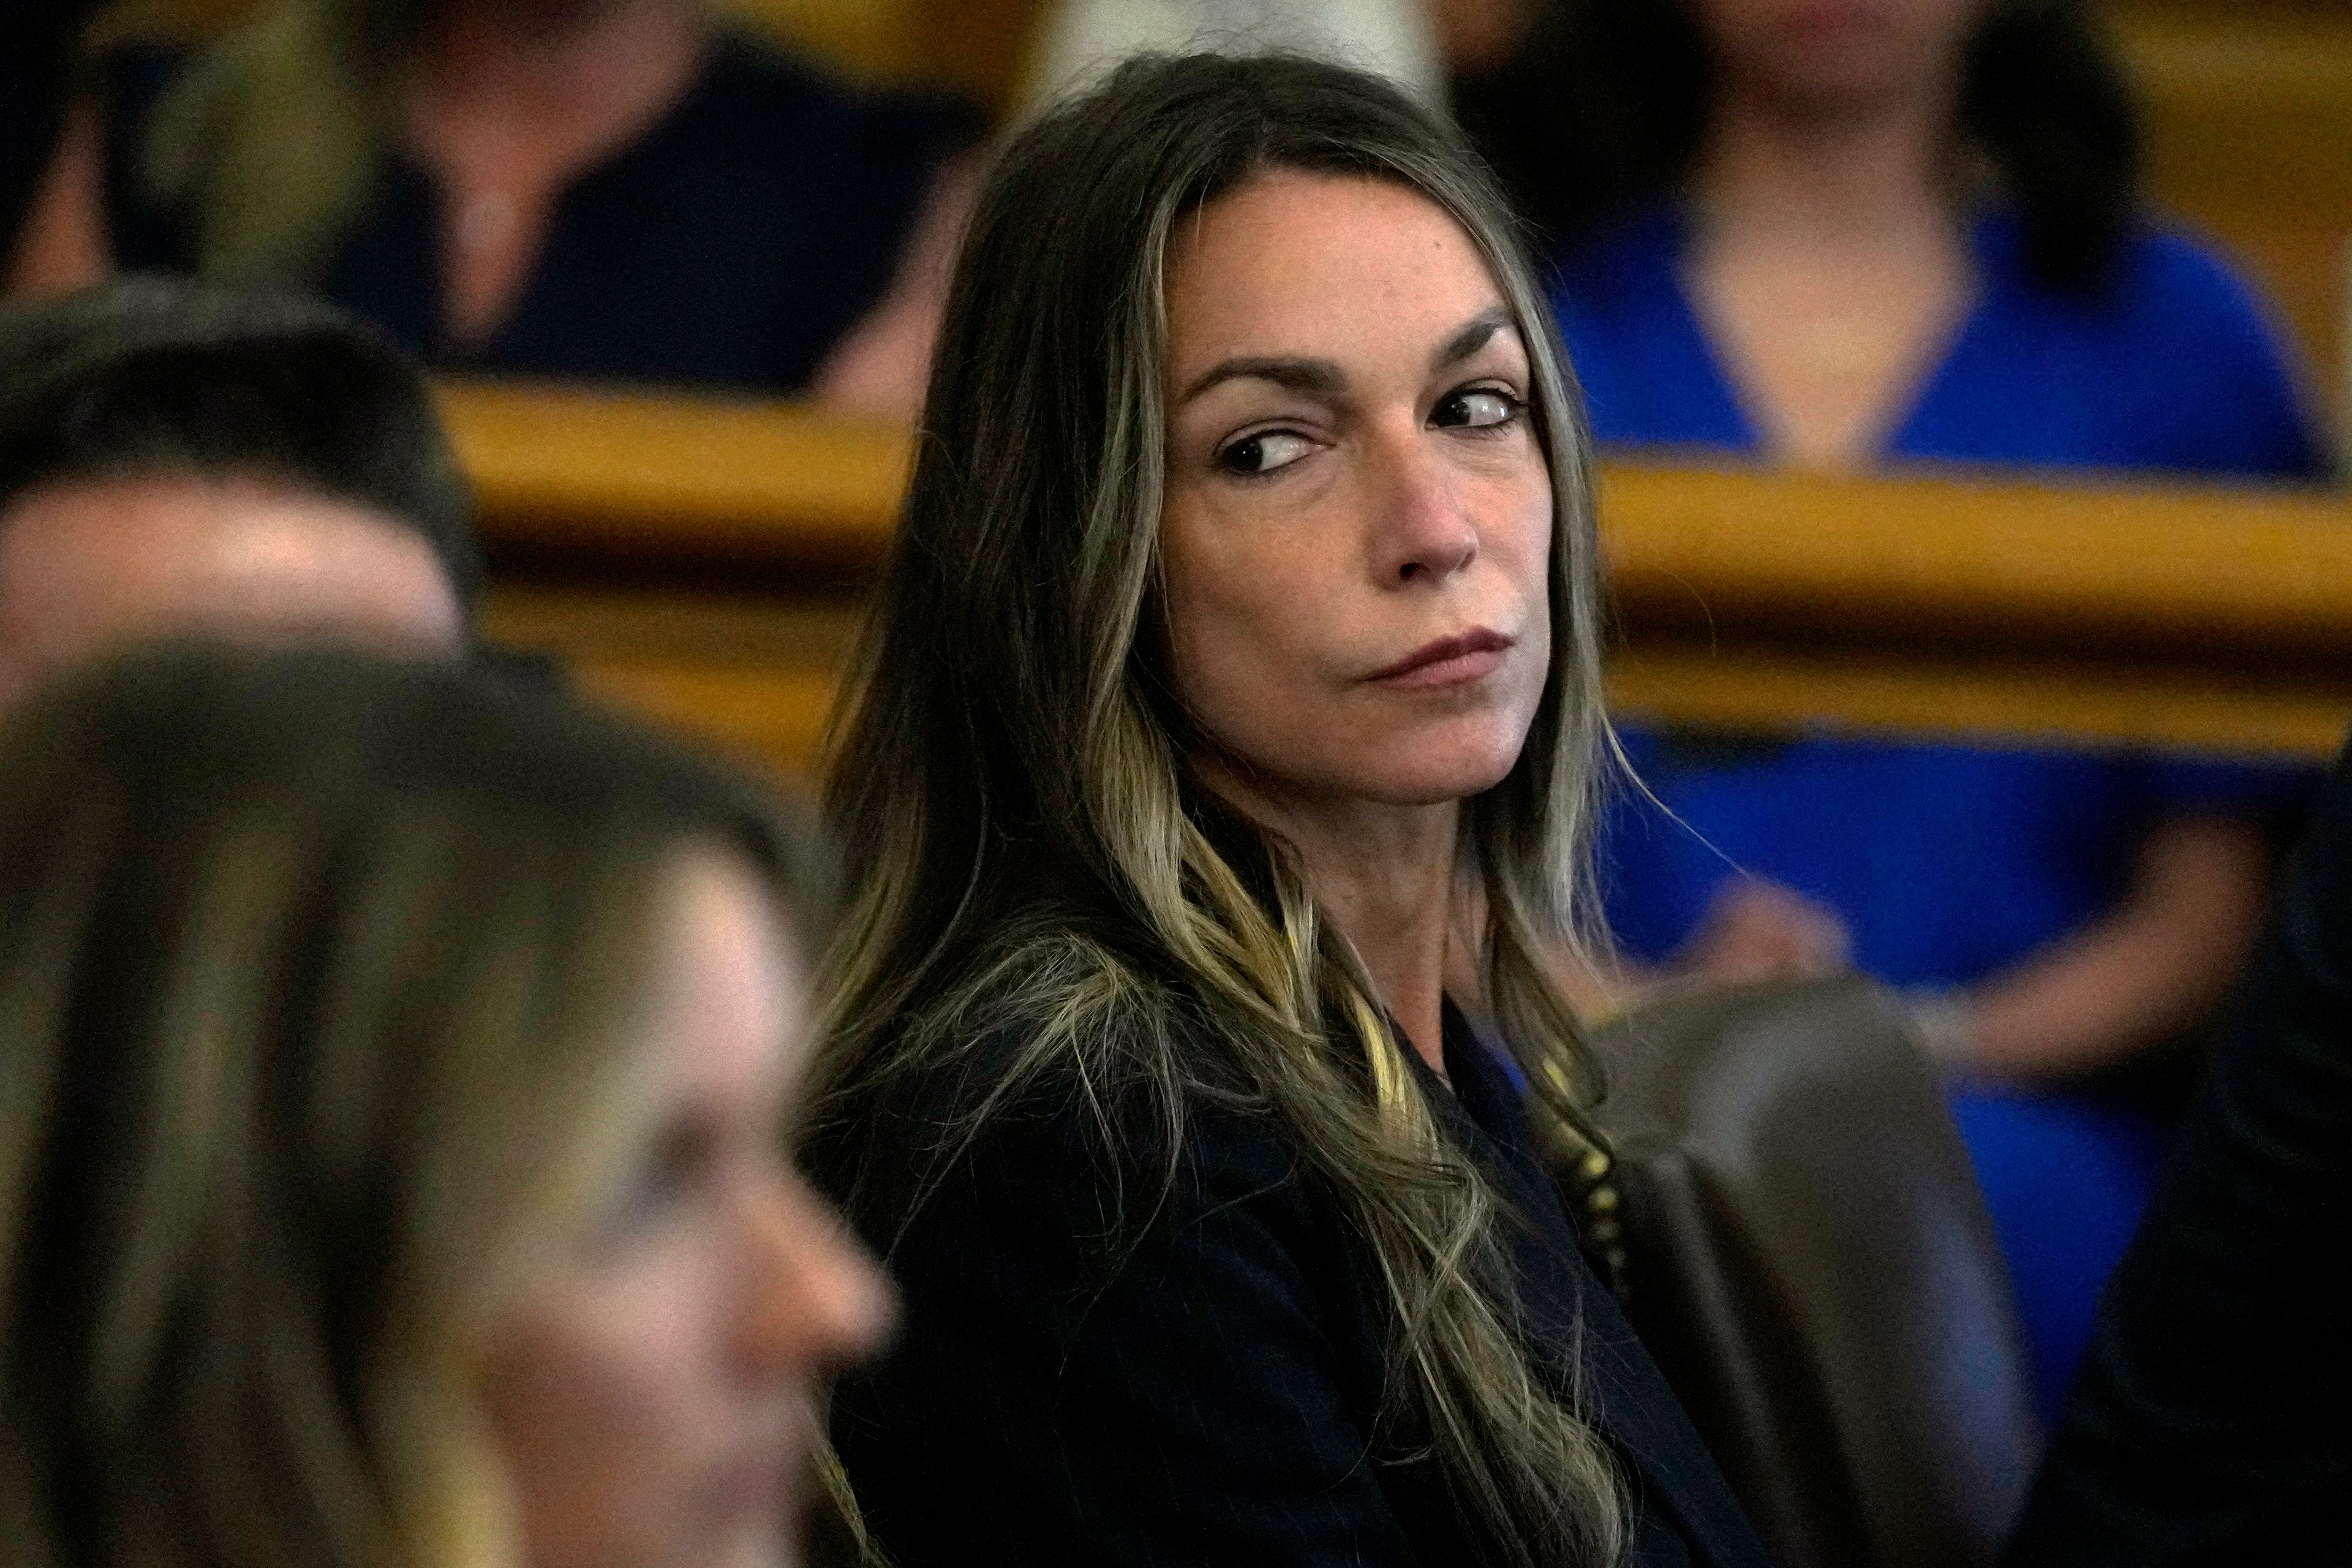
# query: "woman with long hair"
394,1073
1215,783
1846,233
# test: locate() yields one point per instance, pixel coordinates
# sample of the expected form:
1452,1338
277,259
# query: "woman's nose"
1421,531
820,1303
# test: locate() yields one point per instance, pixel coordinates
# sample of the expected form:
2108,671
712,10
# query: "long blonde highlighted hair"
318,981
1012,720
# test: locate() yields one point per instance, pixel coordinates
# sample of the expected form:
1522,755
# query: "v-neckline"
1731,393
604,166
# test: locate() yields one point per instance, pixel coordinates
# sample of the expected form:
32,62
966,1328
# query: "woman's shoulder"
2164,282
2172,362
1052,1049
2169,274
1623,262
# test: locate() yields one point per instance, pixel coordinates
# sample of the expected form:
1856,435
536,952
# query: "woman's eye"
1478,409
1263,453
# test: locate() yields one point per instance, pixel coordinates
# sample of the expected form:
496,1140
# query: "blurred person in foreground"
1843,234
397,1071
1216,778
175,459
621,190
2209,1426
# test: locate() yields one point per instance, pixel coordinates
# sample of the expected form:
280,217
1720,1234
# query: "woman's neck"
1866,177
1384,876
508,104
1829,267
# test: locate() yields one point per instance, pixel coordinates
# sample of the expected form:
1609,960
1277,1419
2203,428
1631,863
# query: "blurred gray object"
1083,39
1810,1261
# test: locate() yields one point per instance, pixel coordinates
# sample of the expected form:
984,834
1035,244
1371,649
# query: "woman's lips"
1449,661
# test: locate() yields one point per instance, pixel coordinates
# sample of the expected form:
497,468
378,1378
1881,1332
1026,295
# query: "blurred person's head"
398,1079
181,461
1246,400
1609,102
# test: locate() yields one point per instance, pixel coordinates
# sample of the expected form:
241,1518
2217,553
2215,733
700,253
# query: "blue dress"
1951,863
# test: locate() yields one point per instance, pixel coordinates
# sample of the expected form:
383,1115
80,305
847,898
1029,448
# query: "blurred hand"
1757,932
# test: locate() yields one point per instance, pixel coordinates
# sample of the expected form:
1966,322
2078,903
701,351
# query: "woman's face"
656,1398
1839,56
1358,516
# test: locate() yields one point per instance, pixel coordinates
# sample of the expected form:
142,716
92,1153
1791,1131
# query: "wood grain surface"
708,561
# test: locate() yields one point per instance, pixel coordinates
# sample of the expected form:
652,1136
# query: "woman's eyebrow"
1473,335
1323,378
1315,378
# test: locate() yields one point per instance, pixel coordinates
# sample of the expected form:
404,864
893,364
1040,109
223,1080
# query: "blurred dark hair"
151,373
1605,104
321,978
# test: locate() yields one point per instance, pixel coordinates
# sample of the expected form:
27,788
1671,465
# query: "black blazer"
1093,1369
2209,1424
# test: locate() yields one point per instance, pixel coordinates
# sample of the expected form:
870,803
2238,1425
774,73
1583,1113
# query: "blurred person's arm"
2150,969
63,244
2157,964
881,368
1755,932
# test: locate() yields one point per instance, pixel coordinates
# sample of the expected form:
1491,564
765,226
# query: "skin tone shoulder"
656,1394
90,565
1356,545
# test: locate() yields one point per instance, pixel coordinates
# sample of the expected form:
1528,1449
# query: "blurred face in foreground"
88,565
1359,515
656,1398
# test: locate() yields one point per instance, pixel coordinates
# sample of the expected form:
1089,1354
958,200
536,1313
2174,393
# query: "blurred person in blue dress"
626,190
1839,235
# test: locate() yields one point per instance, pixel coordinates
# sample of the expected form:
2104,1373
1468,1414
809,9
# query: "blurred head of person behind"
1610,104
180,460
397,1087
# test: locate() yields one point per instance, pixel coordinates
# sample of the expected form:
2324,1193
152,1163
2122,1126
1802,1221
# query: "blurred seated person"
1083,39
605,189
396,1073
1838,236
179,460
2208,1427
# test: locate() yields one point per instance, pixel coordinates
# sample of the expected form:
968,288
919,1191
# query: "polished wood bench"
705,561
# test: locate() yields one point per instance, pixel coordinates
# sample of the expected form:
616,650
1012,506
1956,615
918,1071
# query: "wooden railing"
705,561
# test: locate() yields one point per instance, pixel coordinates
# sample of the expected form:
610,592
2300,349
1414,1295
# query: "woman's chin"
1418,777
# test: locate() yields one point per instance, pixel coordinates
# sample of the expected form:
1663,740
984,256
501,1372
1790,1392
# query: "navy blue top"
732,244
1101,1365
1947,862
